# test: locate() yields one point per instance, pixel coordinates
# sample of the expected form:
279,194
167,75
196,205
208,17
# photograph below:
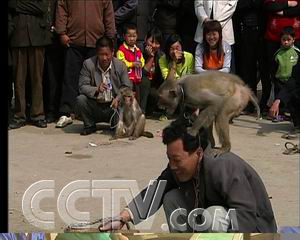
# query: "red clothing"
130,57
276,23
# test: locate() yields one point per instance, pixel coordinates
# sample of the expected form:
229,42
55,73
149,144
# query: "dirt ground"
64,156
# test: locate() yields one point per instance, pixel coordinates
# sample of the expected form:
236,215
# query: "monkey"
132,121
216,96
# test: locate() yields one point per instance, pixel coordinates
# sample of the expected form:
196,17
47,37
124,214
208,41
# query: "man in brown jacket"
79,24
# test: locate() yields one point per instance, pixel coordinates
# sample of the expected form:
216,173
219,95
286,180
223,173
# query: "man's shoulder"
90,62
118,64
223,161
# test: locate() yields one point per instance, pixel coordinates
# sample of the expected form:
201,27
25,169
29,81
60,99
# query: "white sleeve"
199,59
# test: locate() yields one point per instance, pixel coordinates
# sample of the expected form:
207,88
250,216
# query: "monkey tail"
254,100
147,134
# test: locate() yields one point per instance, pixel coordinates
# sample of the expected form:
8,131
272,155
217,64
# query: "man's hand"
102,87
115,103
292,3
65,40
117,224
274,110
207,20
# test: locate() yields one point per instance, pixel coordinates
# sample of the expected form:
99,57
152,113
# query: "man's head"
104,51
130,34
287,37
183,150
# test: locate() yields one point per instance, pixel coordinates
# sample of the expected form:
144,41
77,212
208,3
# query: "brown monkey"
218,96
131,118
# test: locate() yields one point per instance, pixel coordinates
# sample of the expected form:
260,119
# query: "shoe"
64,121
40,123
50,118
88,131
279,118
16,124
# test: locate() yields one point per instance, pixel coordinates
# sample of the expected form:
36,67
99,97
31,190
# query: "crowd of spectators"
51,40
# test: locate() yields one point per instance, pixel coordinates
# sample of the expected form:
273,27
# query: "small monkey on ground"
217,96
131,118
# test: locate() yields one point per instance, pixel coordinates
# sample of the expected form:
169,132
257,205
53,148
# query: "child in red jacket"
132,56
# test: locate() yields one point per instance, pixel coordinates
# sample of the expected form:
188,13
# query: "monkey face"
168,101
168,97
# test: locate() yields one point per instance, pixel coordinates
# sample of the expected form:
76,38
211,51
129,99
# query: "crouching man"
100,79
202,193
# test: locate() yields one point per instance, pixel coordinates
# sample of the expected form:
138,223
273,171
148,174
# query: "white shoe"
63,121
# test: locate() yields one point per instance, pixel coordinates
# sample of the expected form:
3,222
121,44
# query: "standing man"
196,180
79,24
249,25
100,80
28,41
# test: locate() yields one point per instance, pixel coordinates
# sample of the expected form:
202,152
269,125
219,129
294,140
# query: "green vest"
286,59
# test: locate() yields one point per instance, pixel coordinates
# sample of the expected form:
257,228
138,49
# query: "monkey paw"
132,138
113,138
191,131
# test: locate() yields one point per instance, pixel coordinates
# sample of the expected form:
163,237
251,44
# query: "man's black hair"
105,42
288,30
129,26
178,130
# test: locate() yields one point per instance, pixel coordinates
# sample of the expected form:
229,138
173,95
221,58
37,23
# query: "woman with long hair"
213,53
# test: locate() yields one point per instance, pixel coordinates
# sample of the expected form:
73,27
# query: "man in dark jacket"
28,41
166,17
79,24
226,189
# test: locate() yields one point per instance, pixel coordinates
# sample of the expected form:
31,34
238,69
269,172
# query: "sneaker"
279,118
64,121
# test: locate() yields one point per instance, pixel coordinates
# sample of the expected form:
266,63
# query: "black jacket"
166,15
30,22
230,182
125,12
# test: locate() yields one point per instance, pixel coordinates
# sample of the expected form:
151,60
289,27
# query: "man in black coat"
226,189
28,41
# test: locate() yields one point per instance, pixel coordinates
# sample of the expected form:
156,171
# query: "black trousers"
74,58
93,112
53,78
271,48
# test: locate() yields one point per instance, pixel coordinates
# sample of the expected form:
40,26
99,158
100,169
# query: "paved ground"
64,156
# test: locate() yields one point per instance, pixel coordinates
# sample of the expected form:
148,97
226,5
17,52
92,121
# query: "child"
285,60
213,53
132,56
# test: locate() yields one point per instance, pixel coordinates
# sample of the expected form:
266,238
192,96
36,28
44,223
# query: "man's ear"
199,153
